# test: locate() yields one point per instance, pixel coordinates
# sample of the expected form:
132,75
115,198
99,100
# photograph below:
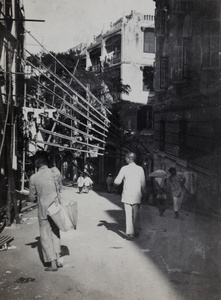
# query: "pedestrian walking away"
177,182
161,201
80,183
134,187
87,183
65,169
42,188
109,182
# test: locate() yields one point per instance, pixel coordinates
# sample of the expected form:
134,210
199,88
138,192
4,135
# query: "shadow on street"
37,244
185,250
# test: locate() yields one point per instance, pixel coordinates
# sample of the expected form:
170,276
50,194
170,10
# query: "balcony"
116,57
113,59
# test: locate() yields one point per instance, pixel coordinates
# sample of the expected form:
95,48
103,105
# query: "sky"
71,22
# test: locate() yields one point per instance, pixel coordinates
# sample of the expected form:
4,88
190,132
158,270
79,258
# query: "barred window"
210,43
148,78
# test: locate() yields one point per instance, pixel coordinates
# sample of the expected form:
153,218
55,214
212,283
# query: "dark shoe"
176,216
136,235
130,237
51,268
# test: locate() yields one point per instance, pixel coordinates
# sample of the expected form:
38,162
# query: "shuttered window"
210,43
149,40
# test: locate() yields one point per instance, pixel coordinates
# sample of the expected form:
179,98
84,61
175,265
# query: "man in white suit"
134,186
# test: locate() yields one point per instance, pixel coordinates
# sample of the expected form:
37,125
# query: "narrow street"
172,259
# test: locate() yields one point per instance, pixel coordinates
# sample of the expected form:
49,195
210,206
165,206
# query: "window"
160,22
210,43
149,40
148,78
163,72
144,117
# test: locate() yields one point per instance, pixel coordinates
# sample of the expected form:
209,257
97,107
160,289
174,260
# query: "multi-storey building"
187,118
11,96
128,49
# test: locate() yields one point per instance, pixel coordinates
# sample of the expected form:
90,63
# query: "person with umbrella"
159,182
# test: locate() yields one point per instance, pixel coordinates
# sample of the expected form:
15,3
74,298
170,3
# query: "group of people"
84,183
47,183
134,188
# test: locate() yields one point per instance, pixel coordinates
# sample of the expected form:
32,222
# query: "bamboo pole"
70,138
65,147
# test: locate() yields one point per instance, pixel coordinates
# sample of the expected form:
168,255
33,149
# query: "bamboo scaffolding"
78,81
114,134
67,86
74,119
70,105
70,117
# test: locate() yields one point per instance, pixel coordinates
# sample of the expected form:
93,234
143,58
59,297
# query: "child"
87,183
80,183
161,201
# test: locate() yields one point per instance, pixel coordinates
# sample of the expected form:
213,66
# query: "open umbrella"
159,174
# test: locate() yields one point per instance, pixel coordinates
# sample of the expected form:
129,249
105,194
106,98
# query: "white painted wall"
133,57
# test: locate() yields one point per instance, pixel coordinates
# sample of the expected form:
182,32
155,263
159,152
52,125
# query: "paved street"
172,259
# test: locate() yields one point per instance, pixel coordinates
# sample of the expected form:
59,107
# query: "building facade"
11,97
128,50
187,116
